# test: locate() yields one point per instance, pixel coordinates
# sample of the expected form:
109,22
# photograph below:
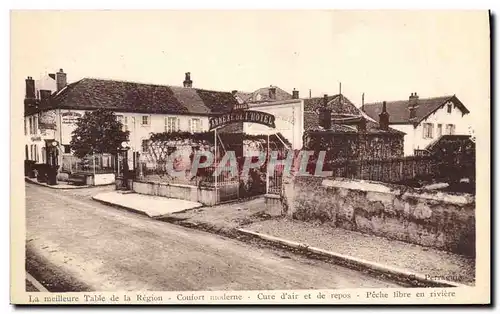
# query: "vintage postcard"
250,157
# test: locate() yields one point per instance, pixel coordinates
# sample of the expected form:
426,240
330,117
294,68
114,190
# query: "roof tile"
399,113
89,94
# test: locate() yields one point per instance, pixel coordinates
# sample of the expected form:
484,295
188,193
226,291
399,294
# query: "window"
449,108
26,152
450,129
428,128
145,120
67,149
172,124
35,131
31,124
34,153
25,126
43,155
439,130
124,121
145,146
195,125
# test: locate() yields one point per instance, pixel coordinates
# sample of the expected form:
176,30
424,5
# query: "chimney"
362,125
272,92
413,104
384,118
363,102
61,79
45,94
295,94
30,88
187,80
325,115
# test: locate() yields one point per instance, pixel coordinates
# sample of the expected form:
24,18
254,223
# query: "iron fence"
101,163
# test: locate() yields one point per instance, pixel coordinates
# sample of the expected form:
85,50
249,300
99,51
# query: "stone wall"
205,195
429,218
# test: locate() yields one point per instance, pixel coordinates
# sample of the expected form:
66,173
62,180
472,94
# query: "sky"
387,55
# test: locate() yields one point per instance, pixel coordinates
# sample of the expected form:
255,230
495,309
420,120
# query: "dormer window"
449,108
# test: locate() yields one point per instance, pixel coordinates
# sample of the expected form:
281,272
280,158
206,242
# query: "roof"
311,125
91,94
399,113
262,94
342,109
339,104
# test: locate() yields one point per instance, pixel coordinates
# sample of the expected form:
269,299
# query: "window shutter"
201,126
177,123
191,125
423,129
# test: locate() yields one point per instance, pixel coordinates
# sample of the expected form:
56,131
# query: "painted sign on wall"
70,117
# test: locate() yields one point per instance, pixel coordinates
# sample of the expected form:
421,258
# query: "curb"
137,211
360,263
130,209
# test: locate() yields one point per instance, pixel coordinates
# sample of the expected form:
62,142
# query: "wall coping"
371,186
177,185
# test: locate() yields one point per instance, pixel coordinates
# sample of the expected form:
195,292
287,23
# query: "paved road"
74,239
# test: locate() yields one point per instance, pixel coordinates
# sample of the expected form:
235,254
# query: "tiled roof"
262,94
89,94
399,113
311,124
339,104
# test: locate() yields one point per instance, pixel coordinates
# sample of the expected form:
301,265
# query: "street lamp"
124,149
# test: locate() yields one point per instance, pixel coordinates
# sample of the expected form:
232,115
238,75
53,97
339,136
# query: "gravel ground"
226,216
423,260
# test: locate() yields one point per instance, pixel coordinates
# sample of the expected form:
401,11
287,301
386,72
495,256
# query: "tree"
97,132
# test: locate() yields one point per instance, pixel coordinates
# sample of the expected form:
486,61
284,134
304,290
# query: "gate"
259,181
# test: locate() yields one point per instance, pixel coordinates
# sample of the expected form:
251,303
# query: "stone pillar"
288,196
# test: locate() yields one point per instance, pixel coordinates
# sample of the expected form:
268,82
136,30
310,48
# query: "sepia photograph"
250,157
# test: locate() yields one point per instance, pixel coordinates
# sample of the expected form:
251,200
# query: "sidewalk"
389,256
61,185
153,206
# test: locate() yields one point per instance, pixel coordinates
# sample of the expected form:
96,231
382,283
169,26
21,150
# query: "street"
74,244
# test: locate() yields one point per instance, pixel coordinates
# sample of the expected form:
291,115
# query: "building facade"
142,108
424,120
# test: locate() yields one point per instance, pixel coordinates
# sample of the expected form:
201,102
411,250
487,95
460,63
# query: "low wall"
429,218
204,195
103,178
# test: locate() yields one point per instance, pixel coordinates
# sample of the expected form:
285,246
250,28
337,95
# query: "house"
333,124
142,108
297,119
423,119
